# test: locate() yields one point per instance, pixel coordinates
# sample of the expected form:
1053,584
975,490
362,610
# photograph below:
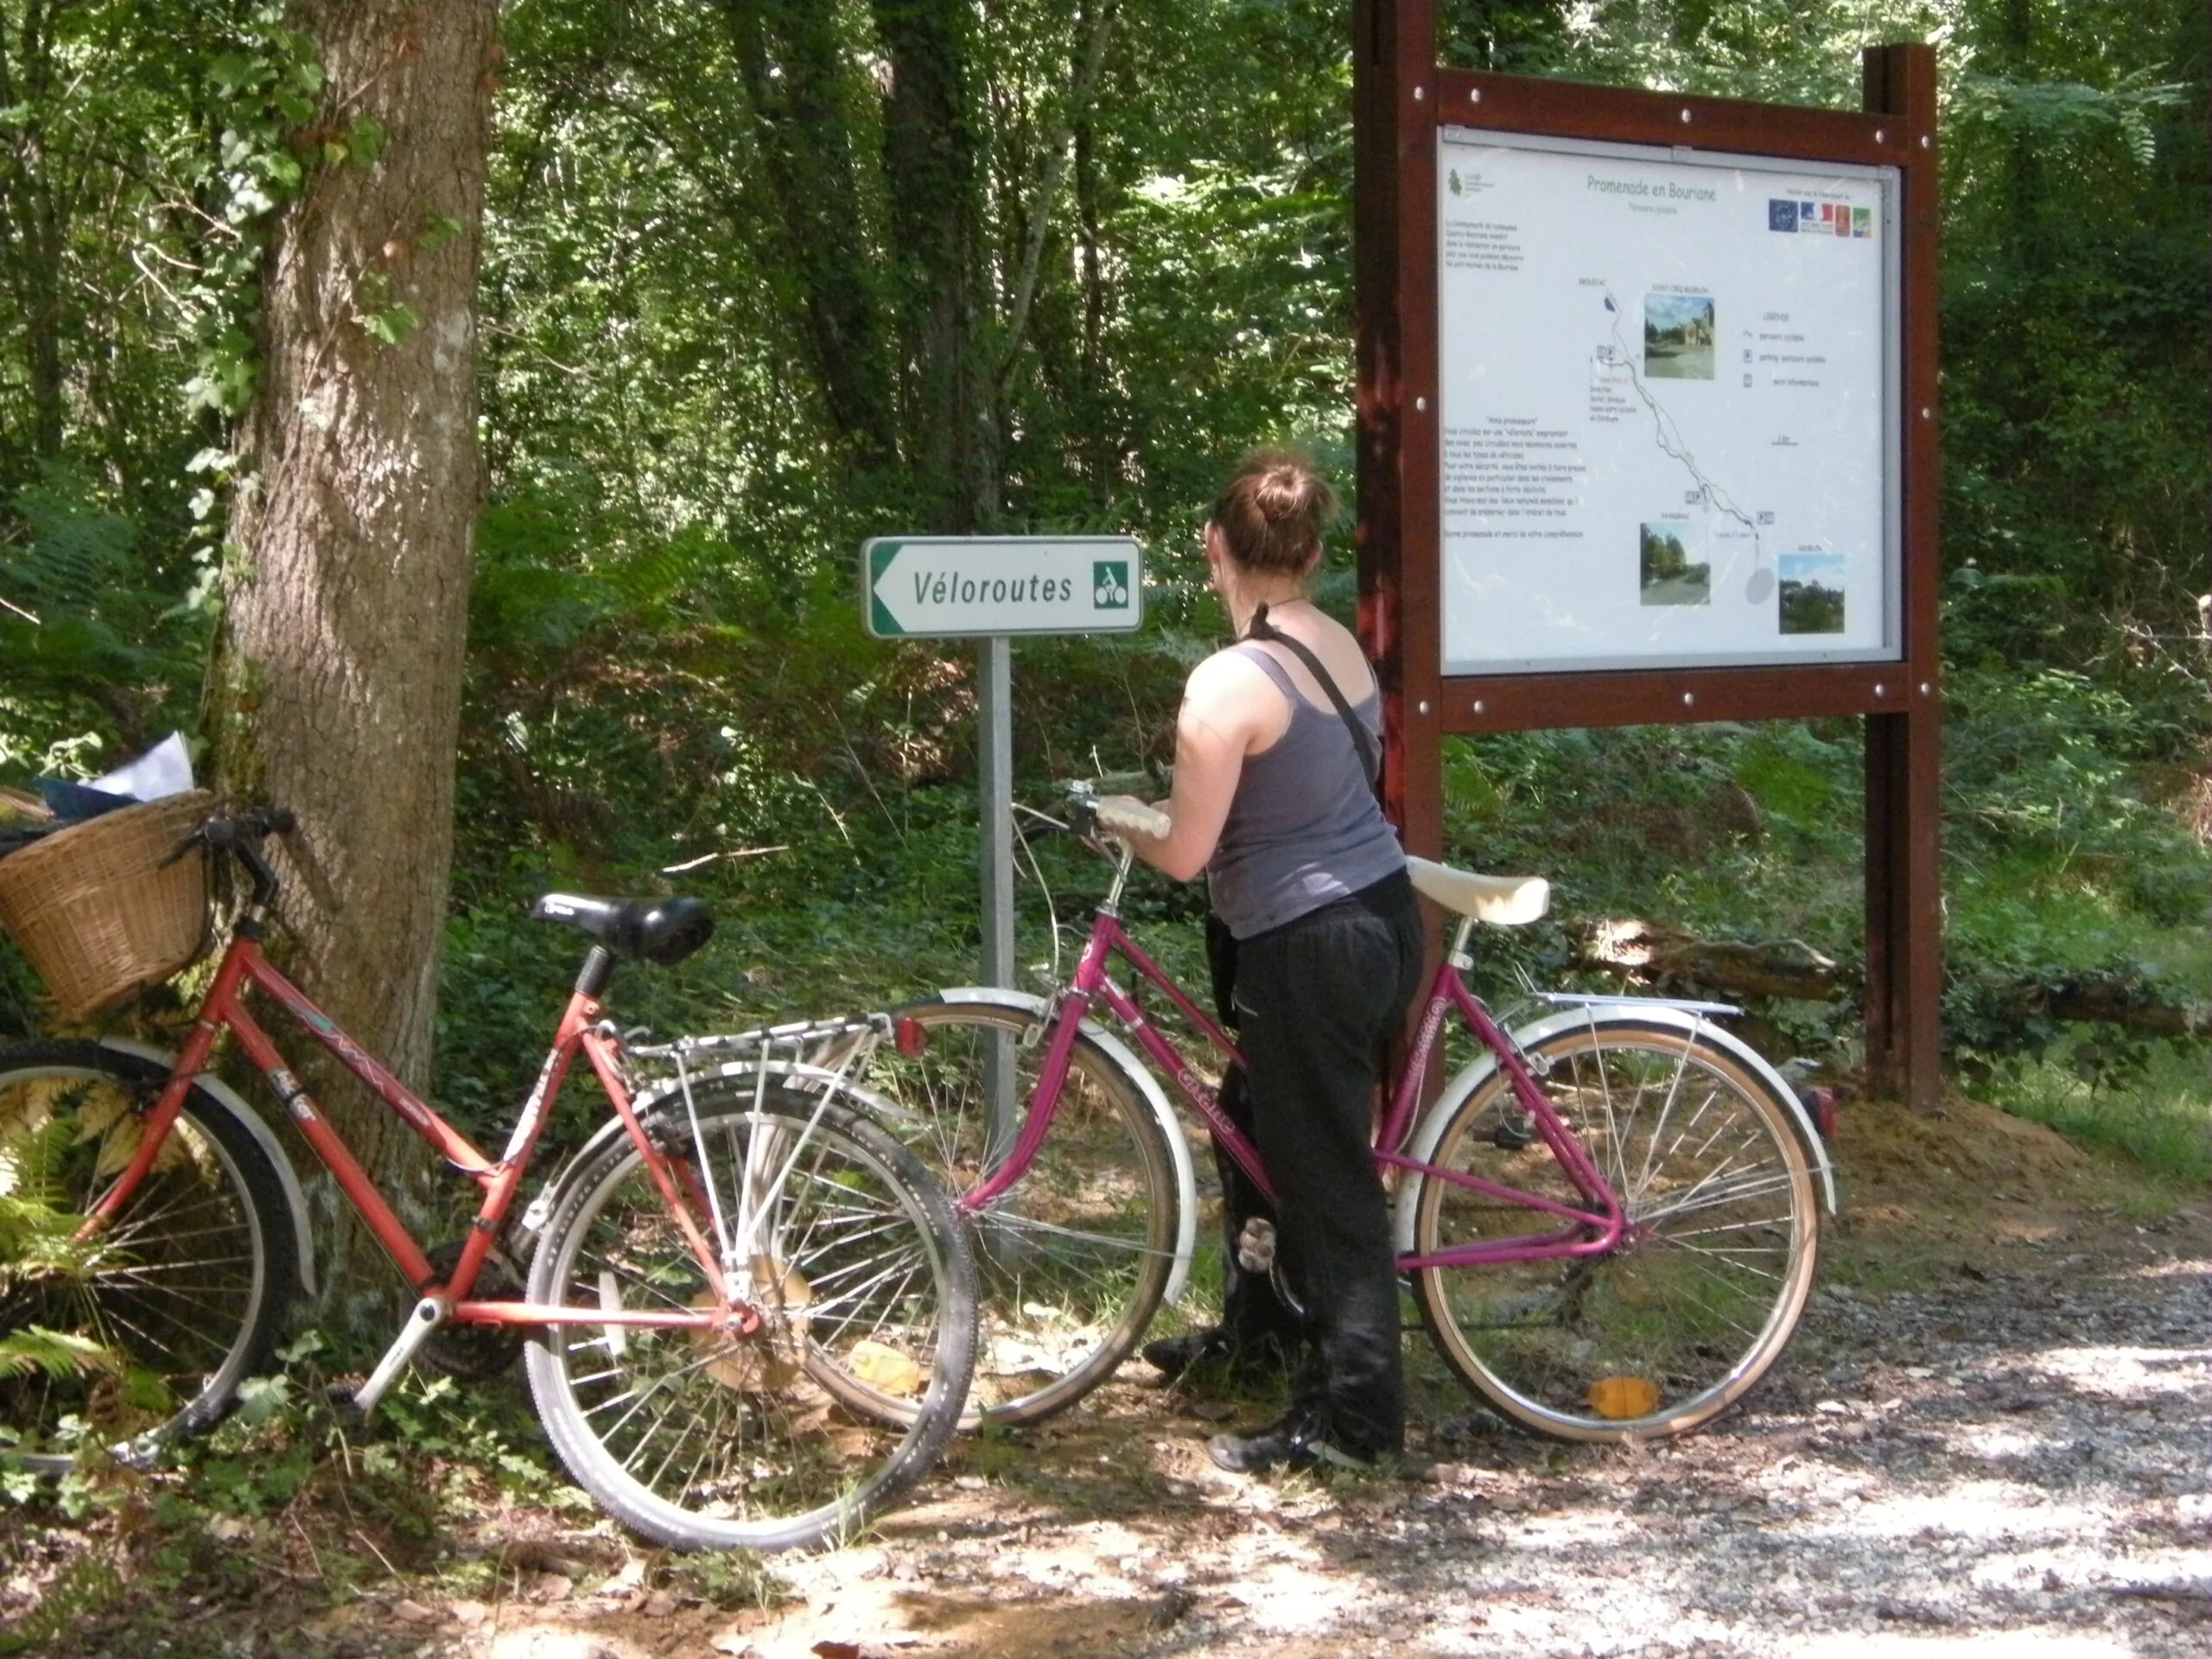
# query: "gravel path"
2013,1461
1991,1436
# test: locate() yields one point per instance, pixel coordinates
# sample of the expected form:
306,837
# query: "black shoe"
1299,1441
1172,1356
1254,1359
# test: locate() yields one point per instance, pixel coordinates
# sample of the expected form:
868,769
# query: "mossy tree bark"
337,688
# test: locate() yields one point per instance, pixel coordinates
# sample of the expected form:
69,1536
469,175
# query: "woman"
1274,799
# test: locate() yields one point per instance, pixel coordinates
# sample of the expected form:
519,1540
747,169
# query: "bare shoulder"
1227,674
1233,694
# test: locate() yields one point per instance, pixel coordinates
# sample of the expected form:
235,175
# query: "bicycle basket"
97,911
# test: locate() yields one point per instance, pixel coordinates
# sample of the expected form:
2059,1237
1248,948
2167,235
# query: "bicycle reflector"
912,1036
1620,1398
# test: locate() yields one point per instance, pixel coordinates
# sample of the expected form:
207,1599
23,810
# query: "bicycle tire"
1074,1261
1666,1333
869,1285
212,1207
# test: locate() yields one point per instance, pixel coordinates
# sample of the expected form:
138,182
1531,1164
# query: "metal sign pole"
988,588
994,781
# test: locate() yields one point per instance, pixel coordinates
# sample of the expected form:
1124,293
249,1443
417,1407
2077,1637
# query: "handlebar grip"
1121,816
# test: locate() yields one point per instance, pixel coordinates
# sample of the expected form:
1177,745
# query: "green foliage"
37,1239
270,82
711,367
88,643
2154,1108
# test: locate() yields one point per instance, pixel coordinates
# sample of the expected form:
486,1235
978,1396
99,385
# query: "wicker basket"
96,909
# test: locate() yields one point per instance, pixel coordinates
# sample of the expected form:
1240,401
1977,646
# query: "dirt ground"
1991,1436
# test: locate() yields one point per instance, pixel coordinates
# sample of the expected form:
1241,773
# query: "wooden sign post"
1647,405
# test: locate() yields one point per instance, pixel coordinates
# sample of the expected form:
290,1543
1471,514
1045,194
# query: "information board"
1668,386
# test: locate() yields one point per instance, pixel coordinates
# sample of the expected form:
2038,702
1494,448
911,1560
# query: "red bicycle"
748,1316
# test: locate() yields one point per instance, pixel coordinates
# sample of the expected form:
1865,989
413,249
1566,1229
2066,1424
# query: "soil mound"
1918,1175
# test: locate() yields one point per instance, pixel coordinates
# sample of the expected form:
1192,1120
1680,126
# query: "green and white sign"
961,586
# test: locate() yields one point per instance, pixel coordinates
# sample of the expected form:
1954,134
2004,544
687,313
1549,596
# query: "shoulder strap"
1362,740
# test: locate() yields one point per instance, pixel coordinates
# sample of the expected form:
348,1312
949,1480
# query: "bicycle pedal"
344,1404
1256,1245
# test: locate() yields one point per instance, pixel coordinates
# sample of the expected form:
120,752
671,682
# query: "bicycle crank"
476,1353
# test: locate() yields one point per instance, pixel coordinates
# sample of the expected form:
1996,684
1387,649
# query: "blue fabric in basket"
74,803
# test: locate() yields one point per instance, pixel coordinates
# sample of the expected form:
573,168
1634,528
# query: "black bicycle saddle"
650,929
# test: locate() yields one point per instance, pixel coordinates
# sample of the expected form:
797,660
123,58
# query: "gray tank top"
1304,828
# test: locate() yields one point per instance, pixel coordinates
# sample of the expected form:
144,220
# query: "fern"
59,1354
38,1240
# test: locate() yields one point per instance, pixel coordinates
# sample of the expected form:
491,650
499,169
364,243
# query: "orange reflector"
1621,1397
912,1036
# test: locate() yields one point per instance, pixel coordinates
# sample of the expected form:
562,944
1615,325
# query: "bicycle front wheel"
860,1273
143,1331
1674,1325
1073,1262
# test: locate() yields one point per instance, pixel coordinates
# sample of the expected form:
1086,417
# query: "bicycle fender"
1430,1130
1139,1075
296,1198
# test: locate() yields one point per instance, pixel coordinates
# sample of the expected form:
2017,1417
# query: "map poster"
1668,388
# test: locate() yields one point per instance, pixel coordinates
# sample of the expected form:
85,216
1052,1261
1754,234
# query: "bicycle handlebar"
1091,811
240,833
232,832
1122,816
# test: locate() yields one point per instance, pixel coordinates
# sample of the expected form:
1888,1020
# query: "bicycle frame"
1590,1231
223,1010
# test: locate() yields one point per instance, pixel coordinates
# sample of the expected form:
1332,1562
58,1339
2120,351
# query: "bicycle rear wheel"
862,1276
1074,1260
171,1306
1674,1325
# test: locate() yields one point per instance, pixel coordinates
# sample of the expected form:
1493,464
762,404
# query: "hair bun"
1272,513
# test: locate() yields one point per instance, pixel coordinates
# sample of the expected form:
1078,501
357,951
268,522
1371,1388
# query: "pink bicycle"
1609,1218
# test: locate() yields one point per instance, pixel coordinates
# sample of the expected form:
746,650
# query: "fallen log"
1791,969
1785,967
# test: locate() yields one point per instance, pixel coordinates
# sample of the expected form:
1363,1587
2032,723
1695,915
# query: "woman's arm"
1229,709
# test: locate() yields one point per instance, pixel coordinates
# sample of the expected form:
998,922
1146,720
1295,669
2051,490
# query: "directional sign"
958,586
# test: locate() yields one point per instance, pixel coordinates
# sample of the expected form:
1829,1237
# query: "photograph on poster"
1693,354
1678,336
1666,574
1811,593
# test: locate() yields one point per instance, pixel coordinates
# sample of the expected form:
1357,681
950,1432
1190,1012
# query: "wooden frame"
1402,99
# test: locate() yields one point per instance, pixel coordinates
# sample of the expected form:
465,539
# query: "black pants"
1315,1001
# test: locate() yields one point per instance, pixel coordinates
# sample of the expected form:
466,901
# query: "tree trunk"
933,175
795,71
34,225
338,685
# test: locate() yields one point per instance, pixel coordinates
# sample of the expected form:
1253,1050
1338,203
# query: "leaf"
392,325
59,1354
437,230
230,73
366,140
